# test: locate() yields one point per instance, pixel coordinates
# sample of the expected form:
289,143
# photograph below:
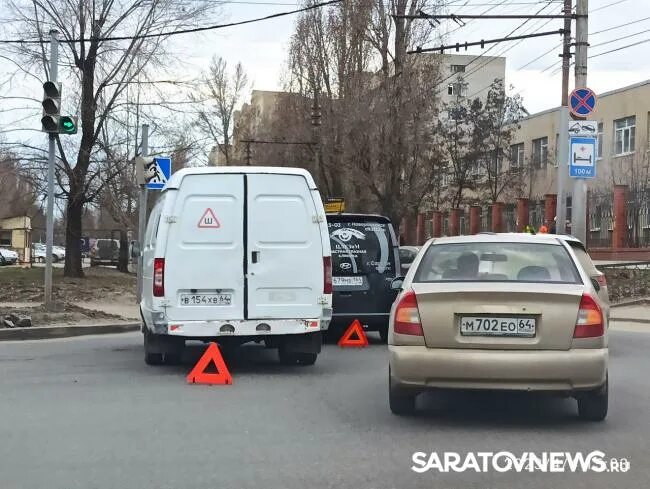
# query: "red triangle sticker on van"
209,220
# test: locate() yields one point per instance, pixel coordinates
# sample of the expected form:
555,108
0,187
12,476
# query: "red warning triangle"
198,374
354,329
209,220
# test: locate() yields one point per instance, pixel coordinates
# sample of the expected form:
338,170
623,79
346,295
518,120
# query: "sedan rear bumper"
417,368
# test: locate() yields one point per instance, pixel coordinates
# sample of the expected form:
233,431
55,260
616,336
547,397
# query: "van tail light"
158,277
407,316
327,275
590,322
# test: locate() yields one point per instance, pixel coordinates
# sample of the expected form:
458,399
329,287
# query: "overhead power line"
174,33
619,39
606,6
482,16
619,26
619,49
483,42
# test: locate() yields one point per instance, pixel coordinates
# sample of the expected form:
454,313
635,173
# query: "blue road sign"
582,158
582,102
157,173
85,244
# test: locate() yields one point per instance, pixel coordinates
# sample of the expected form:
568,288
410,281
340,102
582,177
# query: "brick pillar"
550,209
523,214
436,224
497,217
454,222
475,219
619,239
419,230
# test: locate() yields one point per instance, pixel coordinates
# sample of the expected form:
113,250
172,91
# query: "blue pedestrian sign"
157,172
582,158
582,102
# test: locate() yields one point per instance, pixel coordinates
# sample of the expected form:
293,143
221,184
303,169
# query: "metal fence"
510,218
601,220
486,219
638,219
627,281
536,212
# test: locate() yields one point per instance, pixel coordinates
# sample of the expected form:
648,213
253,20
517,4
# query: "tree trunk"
123,261
74,211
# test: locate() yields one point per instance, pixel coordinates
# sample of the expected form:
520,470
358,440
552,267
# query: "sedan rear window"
497,262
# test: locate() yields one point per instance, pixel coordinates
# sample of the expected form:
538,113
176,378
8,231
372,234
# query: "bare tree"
101,69
219,93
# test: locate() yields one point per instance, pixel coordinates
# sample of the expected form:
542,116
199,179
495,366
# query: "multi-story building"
623,117
469,77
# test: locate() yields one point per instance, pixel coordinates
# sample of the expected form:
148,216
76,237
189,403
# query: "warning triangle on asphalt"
354,329
209,220
198,374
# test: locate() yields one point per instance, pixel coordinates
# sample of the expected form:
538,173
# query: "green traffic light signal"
68,124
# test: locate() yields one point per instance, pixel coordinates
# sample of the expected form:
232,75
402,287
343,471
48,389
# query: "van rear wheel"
151,357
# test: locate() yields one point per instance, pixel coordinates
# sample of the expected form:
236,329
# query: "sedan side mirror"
596,285
396,283
135,249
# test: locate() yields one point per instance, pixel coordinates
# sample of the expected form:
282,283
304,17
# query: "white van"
237,254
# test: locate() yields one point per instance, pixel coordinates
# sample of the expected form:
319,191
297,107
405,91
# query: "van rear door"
204,256
285,250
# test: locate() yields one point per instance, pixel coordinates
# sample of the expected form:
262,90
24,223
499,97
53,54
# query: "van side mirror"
396,283
596,285
135,249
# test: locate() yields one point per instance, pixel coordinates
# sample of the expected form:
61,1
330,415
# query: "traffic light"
68,124
51,107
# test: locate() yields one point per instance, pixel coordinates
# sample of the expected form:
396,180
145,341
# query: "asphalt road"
88,413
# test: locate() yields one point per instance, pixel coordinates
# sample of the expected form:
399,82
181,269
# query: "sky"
262,47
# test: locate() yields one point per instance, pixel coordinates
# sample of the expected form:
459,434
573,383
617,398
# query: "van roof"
175,180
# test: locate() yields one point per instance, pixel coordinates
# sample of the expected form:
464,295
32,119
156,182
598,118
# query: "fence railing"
626,281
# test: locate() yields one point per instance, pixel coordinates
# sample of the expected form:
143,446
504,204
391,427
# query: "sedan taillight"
158,277
590,322
407,316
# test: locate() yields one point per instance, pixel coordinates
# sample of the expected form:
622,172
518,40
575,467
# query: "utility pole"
49,226
563,137
579,202
142,213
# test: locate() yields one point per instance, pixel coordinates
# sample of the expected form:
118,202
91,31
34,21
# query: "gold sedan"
499,312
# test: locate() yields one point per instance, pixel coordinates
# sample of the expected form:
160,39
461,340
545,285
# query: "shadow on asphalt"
495,408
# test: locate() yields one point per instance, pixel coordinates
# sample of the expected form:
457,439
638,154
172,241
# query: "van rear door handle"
256,256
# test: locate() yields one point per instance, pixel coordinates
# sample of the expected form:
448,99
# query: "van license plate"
497,326
206,299
347,280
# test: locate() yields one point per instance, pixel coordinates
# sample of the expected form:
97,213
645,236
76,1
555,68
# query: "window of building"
517,156
599,146
457,89
458,68
557,150
5,238
624,135
540,152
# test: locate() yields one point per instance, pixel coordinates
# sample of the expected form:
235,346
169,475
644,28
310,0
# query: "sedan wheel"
400,404
593,405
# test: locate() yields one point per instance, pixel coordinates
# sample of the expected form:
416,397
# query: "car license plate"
347,280
206,299
498,326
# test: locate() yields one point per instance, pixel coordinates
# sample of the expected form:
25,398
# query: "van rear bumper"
261,327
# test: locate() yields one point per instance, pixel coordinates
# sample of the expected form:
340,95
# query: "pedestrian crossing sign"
157,173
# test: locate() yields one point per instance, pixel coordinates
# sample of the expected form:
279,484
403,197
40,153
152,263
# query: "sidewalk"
634,313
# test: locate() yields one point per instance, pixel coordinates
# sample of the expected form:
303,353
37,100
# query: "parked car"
8,257
500,311
39,253
365,259
406,256
237,254
105,252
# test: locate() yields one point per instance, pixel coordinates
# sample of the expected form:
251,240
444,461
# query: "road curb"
48,332
632,302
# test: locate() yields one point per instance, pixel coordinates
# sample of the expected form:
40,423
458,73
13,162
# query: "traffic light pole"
142,213
49,227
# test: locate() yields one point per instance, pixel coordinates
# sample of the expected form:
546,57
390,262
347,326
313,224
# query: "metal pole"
579,202
563,137
49,226
142,212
